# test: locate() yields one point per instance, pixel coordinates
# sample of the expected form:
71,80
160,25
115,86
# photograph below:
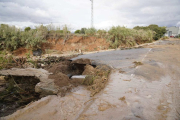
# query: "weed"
165,38
28,55
136,63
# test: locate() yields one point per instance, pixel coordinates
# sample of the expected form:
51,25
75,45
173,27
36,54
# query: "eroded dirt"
76,44
20,90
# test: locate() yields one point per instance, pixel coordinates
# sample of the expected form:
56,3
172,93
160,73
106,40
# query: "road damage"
147,91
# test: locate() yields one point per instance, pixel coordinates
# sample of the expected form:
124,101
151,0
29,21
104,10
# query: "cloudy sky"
77,13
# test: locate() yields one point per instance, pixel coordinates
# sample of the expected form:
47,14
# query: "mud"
60,79
136,63
18,92
64,69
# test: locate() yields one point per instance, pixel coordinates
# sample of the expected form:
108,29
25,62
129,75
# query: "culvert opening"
66,66
18,92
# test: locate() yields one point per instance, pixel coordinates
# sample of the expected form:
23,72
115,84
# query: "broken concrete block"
45,86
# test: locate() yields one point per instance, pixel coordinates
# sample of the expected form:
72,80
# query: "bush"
164,38
10,37
159,31
34,38
77,31
91,31
83,30
121,36
27,29
102,33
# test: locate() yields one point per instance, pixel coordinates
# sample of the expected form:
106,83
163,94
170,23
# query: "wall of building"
174,30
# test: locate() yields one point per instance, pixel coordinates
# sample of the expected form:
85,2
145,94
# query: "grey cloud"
11,11
161,12
106,12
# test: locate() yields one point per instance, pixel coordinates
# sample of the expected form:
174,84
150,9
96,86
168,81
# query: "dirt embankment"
74,44
80,43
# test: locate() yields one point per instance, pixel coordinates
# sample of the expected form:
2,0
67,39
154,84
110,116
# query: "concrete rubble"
45,86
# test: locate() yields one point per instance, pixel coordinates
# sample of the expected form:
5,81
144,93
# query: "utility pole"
91,13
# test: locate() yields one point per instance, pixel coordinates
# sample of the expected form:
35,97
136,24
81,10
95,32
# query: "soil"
74,44
18,92
21,52
89,70
60,79
96,78
85,44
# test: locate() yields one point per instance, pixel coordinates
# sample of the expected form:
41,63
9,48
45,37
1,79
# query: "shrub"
10,37
54,32
27,29
77,31
164,38
102,33
159,31
121,36
34,38
66,33
91,31
83,30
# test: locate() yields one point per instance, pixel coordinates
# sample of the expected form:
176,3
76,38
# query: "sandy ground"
147,92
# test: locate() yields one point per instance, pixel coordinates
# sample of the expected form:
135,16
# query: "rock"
37,52
2,78
46,88
42,65
2,81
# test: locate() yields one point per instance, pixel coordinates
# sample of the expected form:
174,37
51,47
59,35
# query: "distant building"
172,31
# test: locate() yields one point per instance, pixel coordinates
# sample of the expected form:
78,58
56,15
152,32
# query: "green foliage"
102,33
165,38
28,55
91,31
27,29
54,32
121,36
159,31
5,61
34,38
10,37
83,30
77,31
